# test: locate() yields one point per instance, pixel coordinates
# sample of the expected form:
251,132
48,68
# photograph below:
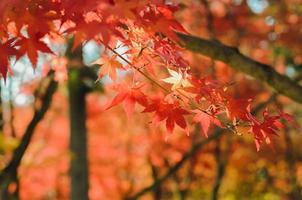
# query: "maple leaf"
170,53
205,120
129,97
31,46
177,80
109,65
122,8
171,112
6,51
238,109
84,31
75,9
269,126
206,88
37,16
160,19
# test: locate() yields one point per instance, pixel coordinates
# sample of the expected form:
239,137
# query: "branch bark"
231,56
9,173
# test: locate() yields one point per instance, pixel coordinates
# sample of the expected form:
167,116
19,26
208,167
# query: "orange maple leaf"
205,120
109,65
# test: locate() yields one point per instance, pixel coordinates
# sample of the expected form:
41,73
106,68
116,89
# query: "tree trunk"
78,137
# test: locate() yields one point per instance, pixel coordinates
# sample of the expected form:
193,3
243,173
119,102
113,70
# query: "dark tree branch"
231,56
178,165
220,167
157,191
221,160
12,115
9,173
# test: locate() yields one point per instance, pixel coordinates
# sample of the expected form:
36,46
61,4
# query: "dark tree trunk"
81,80
78,136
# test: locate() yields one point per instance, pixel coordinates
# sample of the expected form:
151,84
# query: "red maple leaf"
205,120
269,126
238,109
129,97
171,112
206,89
170,53
159,19
84,31
31,46
6,51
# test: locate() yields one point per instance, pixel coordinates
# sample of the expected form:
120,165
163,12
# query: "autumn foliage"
143,66
147,29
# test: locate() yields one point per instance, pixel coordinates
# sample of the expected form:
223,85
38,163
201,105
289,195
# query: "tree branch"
9,173
177,166
231,56
222,156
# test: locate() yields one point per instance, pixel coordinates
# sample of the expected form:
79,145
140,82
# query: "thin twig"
191,102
